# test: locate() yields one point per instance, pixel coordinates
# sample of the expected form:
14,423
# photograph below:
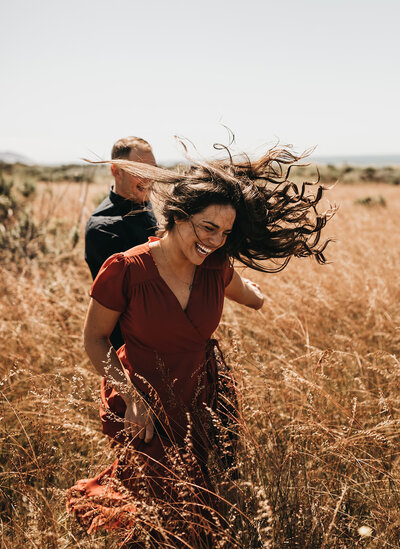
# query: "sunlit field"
317,370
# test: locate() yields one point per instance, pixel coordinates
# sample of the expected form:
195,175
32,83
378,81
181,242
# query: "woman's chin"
199,257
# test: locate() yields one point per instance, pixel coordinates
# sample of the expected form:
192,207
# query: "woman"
160,391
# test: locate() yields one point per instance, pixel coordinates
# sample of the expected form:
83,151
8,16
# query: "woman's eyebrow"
215,225
211,223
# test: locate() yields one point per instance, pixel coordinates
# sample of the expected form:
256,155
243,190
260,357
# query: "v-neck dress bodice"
165,346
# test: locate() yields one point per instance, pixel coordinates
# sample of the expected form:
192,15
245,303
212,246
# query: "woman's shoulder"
137,253
137,263
140,263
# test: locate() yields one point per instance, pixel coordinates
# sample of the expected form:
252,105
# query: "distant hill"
14,158
358,160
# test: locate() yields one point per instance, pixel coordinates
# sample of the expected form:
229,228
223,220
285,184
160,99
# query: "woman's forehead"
219,214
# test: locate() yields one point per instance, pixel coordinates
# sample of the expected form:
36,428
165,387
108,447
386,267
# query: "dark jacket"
115,226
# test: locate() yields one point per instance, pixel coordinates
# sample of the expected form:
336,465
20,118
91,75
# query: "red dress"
167,354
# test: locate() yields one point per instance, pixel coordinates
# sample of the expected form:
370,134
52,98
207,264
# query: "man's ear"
115,170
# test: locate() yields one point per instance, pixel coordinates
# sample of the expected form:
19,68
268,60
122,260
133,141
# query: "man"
125,218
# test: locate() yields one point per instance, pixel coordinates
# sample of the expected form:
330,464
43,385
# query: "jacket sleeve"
100,244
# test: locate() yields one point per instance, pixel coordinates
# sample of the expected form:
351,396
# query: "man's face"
130,186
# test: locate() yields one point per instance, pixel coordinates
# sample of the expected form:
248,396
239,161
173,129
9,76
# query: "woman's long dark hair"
275,218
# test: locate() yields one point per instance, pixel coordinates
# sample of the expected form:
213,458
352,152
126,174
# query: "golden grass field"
318,377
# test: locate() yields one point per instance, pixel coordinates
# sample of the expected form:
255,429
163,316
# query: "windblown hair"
275,218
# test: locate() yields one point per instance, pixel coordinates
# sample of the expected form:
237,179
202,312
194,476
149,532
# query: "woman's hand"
255,289
245,292
138,420
100,321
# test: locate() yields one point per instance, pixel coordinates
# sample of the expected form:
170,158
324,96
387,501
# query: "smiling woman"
212,226
162,390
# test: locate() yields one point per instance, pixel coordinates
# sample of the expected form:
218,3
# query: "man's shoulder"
104,207
109,212
100,227
96,222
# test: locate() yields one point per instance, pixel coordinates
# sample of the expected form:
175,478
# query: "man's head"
130,186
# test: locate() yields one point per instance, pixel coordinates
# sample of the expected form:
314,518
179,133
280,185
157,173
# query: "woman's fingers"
132,428
135,429
250,283
149,431
144,432
141,432
255,289
254,284
138,421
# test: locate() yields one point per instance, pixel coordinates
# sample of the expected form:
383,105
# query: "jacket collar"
124,204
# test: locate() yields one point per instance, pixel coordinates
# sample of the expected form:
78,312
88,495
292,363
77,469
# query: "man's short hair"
123,147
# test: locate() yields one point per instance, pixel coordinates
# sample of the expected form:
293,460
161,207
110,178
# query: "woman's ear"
178,221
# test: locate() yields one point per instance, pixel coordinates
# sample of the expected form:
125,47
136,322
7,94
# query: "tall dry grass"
317,375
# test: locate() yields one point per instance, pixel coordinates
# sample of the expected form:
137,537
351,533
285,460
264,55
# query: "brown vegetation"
317,370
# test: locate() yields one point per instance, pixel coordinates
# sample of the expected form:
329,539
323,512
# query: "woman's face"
204,232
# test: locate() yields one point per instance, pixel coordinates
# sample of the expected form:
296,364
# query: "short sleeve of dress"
227,272
220,264
110,285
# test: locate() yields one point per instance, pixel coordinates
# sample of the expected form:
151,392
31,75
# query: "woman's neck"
173,254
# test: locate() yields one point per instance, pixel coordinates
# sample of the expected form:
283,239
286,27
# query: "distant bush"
372,201
28,188
6,168
74,173
19,234
7,199
24,239
5,186
369,174
5,207
12,194
356,174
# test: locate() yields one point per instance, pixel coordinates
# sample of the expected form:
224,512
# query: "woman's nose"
216,240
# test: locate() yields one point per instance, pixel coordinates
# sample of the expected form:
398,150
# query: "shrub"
368,174
28,188
372,201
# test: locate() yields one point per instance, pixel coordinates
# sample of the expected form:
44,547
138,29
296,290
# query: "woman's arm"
100,322
245,292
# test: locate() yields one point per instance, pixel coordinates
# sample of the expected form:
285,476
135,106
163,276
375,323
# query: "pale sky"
78,75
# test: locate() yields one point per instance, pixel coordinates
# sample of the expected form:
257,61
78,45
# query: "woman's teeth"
202,249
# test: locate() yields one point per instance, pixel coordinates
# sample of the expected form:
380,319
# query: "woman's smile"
202,250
